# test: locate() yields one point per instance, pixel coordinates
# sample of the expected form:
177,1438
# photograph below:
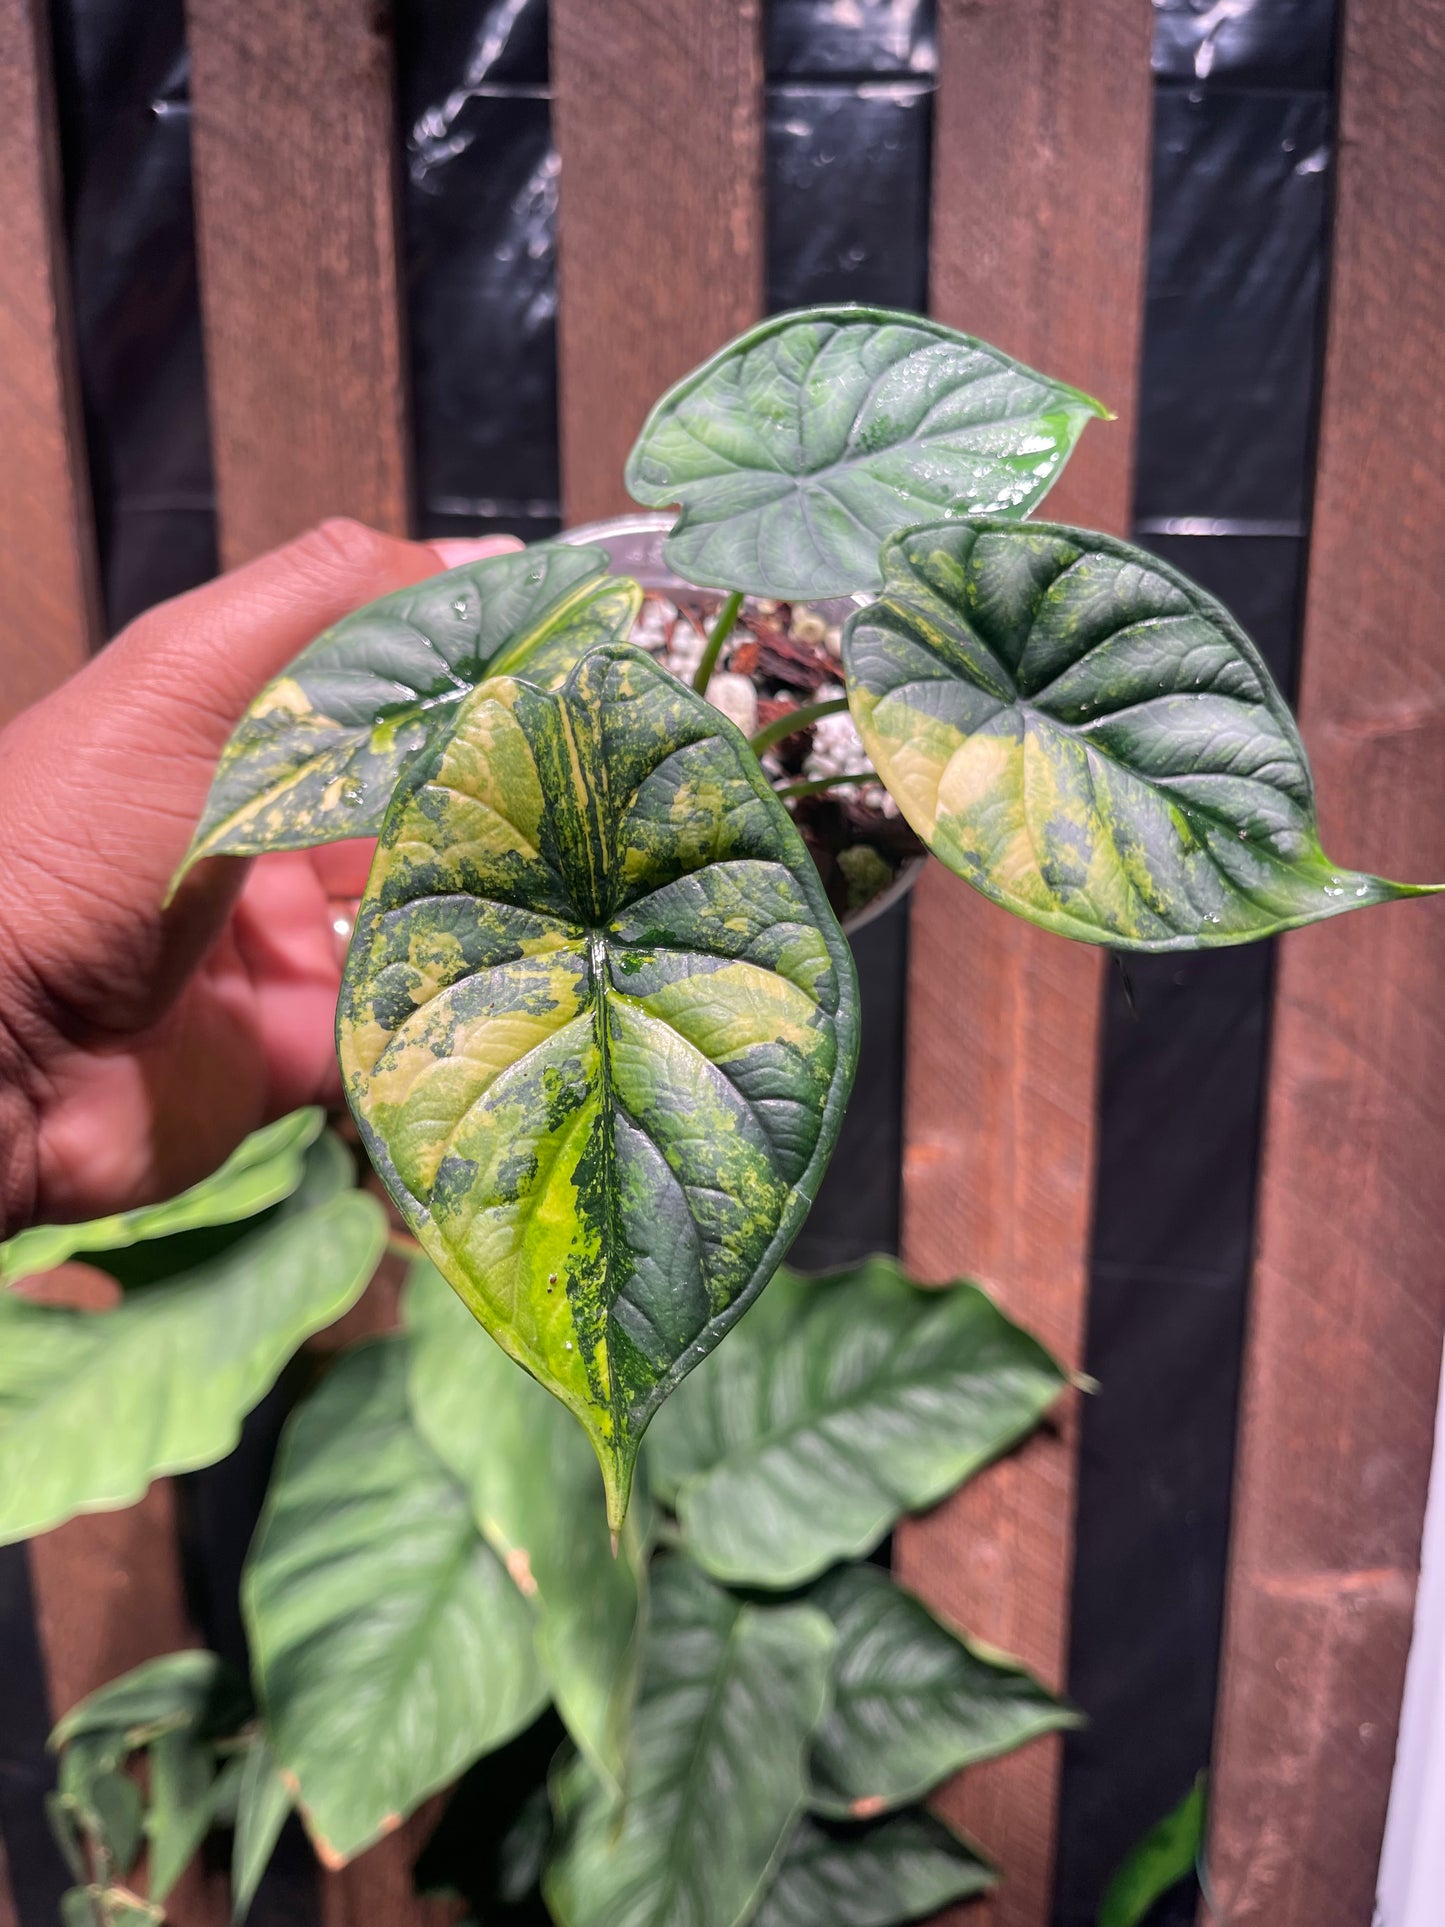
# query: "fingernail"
454,551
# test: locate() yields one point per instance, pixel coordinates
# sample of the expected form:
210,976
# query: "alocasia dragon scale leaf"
1089,739
317,755
800,446
598,1024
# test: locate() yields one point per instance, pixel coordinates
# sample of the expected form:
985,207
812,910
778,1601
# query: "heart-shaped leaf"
1090,740
913,1701
538,1499
904,1867
261,1171
94,1405
389,1647
806,442
317,755
838,1405
730,1694
598,1025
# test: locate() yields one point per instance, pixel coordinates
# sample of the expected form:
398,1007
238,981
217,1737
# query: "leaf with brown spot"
537,1496
389,1648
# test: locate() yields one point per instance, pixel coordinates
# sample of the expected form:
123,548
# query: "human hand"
139,1045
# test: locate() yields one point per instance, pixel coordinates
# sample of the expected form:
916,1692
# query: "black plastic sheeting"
479,217
125,134
1243,128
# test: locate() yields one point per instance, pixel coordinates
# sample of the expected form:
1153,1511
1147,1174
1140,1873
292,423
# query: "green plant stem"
402,1246
815,785
793,720
717,636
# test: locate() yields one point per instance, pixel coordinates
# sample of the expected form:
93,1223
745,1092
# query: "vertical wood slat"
1348,1309
658,119
293,142
48,584
1040,201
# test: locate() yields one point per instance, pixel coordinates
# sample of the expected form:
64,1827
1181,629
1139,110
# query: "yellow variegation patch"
1090,740
598,1025
317,755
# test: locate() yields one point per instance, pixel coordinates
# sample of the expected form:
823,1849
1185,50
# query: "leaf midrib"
687,1803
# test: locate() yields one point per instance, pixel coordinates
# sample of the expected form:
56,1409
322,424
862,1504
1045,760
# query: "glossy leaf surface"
389,1646
598,1024
318,753
1086,737
913,1701
799,448
901,1868
537,1497
94,1405
730,1695
1167,1854
260,1172
838,1405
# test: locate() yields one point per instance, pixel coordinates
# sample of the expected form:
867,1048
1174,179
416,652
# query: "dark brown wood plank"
1039,215
47,551
294,139
1348,1307
658,119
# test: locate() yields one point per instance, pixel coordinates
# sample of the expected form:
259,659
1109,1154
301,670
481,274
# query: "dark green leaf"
840,1404
1090,740
1167,1854
897,1869
186,1689
730,1694
802,445
94,1405
913,1701
389,1646
102,1800
318,753
537,1497
598,1024
264,1169
261,1810
179,1810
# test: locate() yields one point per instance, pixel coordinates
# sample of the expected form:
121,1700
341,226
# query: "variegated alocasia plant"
598,1023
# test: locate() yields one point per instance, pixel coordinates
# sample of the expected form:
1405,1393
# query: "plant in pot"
597,1029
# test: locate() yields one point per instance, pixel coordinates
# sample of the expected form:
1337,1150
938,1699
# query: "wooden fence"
1039,213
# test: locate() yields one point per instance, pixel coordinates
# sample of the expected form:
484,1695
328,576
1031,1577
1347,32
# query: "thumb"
102,783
